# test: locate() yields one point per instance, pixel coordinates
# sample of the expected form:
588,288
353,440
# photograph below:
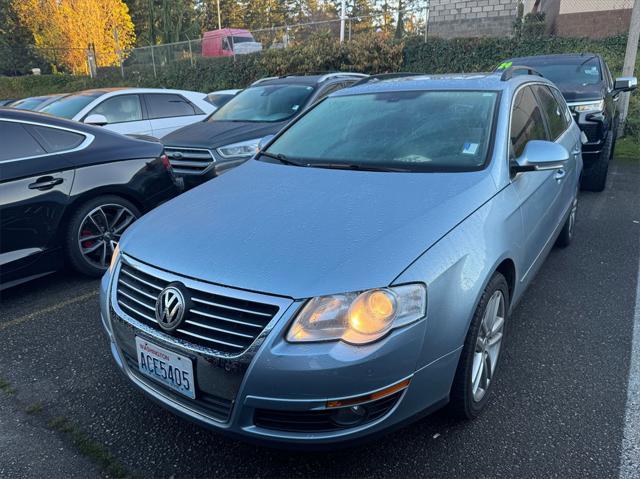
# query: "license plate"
173,370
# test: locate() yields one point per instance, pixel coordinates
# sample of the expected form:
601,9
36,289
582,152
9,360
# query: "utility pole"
343,14
630,61
219,18
426,21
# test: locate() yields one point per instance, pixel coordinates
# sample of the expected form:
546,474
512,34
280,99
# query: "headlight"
594,107
244,149
360,317
114,258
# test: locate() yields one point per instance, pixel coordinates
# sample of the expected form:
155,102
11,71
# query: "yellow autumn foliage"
63,29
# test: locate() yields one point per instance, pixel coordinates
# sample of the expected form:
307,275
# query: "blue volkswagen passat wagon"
360,270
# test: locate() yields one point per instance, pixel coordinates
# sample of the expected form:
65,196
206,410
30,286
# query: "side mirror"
625,84
541,155
264,141
96,119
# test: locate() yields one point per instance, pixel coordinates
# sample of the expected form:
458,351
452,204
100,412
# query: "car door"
124,114
539,191
170,111
560,133
34,190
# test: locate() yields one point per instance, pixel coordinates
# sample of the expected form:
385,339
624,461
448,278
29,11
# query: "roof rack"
386,76
341,74
507,74
264,79
325,76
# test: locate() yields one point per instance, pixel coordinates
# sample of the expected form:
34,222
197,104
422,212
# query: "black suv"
231,135
592,95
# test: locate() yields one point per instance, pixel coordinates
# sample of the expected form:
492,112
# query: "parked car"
221,97
68,191
231,135
360,270
6,101
35,103
592,94
228,42
141,111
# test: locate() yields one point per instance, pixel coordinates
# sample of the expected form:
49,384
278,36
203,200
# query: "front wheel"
94,231
566,235
595,178
478,363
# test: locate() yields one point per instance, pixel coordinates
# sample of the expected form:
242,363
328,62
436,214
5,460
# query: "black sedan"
68,191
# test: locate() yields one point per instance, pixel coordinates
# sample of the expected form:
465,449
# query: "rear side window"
552,110
164,105
568,118
55,140
17,142
120,109
526,122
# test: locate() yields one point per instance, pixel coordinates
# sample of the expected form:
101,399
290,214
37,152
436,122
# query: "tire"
89,242
595,178
467,402
566,235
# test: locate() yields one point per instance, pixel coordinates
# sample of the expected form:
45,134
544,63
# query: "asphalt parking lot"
558,409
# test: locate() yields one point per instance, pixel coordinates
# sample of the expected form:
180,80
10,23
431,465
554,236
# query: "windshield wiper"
354,166
282,159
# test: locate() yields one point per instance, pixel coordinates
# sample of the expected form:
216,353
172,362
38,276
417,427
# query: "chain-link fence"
423,18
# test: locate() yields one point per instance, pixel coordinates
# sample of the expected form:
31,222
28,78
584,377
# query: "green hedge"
367,53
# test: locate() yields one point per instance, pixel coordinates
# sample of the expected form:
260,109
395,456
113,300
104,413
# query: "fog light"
349,416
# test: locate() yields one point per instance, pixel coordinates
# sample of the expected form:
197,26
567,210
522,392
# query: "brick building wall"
471,18
596,24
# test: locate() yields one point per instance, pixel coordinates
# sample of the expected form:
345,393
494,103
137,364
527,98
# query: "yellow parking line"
50,309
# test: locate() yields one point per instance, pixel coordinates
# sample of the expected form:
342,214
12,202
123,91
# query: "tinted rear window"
55,140
167,105
17,142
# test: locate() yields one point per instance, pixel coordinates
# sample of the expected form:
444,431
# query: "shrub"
367,53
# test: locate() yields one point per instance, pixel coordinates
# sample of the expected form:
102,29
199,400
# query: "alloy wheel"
100,231
488,345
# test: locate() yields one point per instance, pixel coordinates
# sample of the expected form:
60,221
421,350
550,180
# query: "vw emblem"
170,308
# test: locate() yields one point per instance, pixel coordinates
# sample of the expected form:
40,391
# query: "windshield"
585,71
27,103
70,105
265,103
405,131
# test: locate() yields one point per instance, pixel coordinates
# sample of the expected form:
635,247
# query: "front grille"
189,161
225,324
318,421
208,404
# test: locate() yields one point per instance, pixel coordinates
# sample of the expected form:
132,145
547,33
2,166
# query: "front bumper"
276,392
596,128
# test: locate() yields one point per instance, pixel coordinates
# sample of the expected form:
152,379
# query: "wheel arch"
85,196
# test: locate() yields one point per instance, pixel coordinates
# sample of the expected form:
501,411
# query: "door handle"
559,175
45,183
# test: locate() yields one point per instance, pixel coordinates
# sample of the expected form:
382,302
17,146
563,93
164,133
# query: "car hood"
575,92
213,134
302,232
